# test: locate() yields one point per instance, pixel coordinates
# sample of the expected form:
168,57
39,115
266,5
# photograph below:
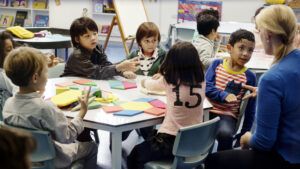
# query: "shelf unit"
103,19
32,12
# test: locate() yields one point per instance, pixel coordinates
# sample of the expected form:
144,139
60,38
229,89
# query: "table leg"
116,150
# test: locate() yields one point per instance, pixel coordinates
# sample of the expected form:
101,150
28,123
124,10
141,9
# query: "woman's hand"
245,139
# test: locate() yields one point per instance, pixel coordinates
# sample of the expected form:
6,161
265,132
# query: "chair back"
194,143
44,154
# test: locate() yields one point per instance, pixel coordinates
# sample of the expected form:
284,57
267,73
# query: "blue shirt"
278,109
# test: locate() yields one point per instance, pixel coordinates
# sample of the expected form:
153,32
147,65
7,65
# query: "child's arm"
129,75
206,53
211,91
154,85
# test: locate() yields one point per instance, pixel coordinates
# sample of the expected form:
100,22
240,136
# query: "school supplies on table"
155,111
86,82
144,100
111,109
78,106
94,105
136,106
128,113
109,99
64,84
121,85
66,98
158,104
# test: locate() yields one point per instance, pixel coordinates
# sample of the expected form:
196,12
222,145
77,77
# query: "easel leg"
109,32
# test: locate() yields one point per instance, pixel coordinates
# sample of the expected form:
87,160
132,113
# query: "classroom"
149,84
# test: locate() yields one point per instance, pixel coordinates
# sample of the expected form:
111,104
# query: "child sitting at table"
225,79
183,80
149,54
207,26
27,68
88,58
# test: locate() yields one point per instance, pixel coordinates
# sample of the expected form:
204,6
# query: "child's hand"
143,83
52,61
83,101
156,76
245,139
129,75
252,89
128,65
230,98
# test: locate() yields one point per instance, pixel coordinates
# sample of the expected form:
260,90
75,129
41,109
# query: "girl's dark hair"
4,36
239,35
80,26
182,65
147,29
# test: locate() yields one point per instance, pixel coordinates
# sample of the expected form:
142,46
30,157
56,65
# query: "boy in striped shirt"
225,80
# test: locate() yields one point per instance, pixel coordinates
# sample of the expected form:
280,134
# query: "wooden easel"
129,15
124,39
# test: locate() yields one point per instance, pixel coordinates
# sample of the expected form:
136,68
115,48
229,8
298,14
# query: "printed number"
187,104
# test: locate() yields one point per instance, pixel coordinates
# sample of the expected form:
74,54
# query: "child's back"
28,109
204,42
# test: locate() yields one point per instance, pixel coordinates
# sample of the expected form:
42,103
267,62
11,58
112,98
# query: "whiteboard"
130,13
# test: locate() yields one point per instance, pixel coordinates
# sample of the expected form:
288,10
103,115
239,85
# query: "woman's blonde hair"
281,21
22,63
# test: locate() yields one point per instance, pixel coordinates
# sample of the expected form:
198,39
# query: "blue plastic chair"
191,147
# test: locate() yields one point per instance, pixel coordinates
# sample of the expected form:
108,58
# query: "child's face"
149,44
241,52
8,46
88,40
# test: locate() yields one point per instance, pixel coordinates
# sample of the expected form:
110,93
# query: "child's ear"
34,78
229,48
77,39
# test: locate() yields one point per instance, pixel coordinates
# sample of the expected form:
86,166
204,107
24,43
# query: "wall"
162,12
62,16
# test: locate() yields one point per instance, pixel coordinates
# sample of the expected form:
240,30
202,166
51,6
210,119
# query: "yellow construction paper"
136,106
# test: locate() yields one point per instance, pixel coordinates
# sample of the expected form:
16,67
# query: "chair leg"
96,135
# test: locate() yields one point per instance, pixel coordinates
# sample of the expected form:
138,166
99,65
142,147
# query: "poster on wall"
188,9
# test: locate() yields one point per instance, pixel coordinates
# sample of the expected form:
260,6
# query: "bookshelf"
103,13
35,9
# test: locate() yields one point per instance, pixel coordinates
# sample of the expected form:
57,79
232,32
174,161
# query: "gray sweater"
31,111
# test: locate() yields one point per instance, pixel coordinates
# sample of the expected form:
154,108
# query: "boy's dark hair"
206,24
239,35
15,148
22,63
210,11
4,36
147,29
80,26
182,65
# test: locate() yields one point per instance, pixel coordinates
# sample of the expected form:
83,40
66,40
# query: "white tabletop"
101,117
48,38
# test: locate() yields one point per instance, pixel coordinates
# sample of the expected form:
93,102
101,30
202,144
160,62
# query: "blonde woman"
276,142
